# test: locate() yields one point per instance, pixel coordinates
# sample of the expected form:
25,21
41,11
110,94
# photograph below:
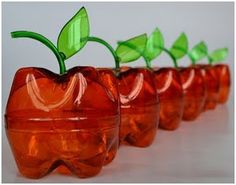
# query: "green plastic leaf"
218,55
154,45
180,47
198,52
74,34
131,49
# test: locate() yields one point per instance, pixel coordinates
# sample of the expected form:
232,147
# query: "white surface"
199,151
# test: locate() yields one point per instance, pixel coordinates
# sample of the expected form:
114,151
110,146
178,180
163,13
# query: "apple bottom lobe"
83,152
139,125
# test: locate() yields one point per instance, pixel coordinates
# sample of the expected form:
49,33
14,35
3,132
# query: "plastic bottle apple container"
56,120
170,92
193,83
223,73
167,79
139,106
194,92
139,100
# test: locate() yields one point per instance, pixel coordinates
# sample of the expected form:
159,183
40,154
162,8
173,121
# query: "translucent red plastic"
212,86
139,106
70,120
194,92
170,92
223,74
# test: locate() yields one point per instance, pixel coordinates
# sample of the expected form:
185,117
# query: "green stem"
148,62
210,60
171,56
192,60
46,42
103,42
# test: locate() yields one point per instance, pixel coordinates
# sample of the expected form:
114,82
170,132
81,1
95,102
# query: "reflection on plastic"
40,103
167,83
137,87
